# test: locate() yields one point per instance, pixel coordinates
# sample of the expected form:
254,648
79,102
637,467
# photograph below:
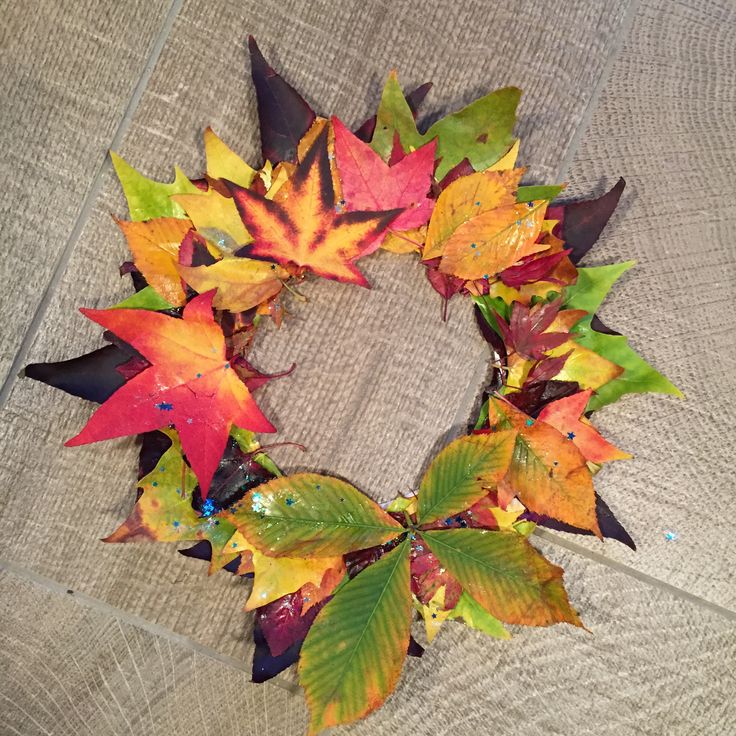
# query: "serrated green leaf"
146,298
480,132
310,514
148,199
462,473
638,376
592,285
352,657
475,616
505,574
542,191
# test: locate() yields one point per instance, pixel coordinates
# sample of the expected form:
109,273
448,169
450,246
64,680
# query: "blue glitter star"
208,507
164,406
434,615
571,435
529,422
290,501
671,536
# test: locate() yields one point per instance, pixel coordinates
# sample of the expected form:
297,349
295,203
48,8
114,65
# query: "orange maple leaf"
188,385
565,415
302,226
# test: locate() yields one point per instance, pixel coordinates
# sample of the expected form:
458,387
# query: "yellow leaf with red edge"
155,248
565,415
548,472
241,283
313,594
224,163
274,577
211,210
300,225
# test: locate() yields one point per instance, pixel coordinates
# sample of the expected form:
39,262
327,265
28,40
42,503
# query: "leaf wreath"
337,578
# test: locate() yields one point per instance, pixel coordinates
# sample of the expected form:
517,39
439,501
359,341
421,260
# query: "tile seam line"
650,580
88,201
95,604
592,105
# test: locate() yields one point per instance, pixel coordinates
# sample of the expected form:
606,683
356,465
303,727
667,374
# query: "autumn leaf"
414,99
146,298
224,163
241,283
368,183
531,269
300,225
548,472
274,577
581,223
592,286
94,376
478,227
211,211
148,199
526,332
155,248
505,575
462,473
565,415
283,114
311,514
476,617
188,385
352,657
480,132
634,374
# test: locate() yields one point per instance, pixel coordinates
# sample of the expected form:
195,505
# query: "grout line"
88,203
650,580
156,629
590,108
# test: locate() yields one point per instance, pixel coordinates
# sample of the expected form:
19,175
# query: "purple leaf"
283,114
93,376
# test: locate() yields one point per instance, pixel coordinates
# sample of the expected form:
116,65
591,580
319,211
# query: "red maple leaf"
525,331
369,183
189,384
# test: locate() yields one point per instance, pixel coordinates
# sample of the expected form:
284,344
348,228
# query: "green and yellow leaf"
310,514
352,657
462,473
505,575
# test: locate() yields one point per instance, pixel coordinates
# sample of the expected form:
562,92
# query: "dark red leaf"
283,114
525,331
464,168
533,398
581,223
444,284
531,269
547,368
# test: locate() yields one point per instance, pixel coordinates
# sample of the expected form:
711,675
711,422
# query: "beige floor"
104,639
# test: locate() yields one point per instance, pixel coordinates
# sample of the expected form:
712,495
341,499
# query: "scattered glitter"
529,422
176,523
290,501
571,435
208,507
189,420
154,484
671,536
164,406
199,375
434,615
